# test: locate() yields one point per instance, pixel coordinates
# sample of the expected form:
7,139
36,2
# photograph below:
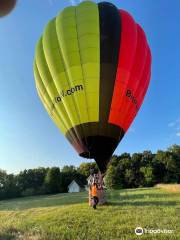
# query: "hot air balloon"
6,6
92,69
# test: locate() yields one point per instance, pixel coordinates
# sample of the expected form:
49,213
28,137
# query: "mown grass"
68,216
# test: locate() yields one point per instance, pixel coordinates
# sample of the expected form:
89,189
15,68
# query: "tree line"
41,180
124,171
144,169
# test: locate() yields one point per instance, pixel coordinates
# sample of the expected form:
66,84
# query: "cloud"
73,2
178,128
175,125
171,124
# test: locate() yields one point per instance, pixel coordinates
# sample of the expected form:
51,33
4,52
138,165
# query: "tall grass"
170,187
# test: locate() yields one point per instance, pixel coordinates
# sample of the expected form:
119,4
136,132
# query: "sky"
29,138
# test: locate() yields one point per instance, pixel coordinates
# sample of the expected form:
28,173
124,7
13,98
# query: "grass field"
68,216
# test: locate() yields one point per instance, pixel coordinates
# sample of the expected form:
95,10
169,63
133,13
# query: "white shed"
75,187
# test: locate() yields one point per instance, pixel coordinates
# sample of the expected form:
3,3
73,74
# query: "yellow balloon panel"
68,62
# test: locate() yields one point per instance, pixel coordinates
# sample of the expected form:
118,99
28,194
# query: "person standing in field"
94,195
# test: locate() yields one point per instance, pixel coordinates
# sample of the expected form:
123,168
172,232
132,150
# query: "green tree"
115,176
129,178
31,181
147,158
8,186
3,176
166,166
174,149
147,172
53,180
69,169
111,178
136,161
11,187
86,168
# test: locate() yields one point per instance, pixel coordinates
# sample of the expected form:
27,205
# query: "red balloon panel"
133,73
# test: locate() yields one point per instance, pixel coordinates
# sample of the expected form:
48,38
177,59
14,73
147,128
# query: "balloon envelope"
6,7
92,70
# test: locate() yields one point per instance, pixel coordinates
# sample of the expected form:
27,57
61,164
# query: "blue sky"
28,137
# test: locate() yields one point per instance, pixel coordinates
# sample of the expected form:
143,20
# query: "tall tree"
53,180
86,168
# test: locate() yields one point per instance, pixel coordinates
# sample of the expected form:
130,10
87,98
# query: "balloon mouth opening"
99,148
86,155
101,161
